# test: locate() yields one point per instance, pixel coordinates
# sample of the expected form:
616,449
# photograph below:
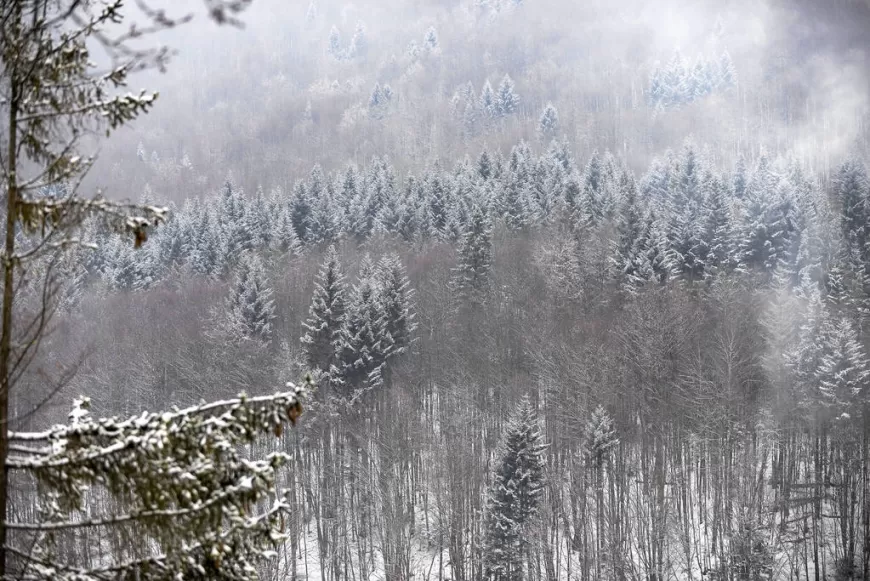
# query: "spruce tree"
548,123
657,93
506,99
250,308
205,252
852,191
377,103
358,42
300,211
283,236
843,372
514,493
129,268
488,102
727,72
718,234
628,252
676,81
333,46
471,276
362,344
397,302
326,315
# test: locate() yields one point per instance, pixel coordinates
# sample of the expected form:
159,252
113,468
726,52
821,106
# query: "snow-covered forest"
467,290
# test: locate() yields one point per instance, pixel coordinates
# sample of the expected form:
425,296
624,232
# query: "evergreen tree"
378,102
843,372
249,309
488,102
718,234
548,123
484,165
469,120
766,231
397,302
676,82
699,80
128,268
300,211
205,251
471,276
326,315
363,340
628,257
739,181
727,72
437,199
590,210
258,220
333,46
172,239
358,42
512,500
506,99
852,191
283,236
657,93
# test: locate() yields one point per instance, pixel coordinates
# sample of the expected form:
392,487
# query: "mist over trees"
581,294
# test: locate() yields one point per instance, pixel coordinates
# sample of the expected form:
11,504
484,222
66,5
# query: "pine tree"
300,211
358,42
484,165
766,231
548,124
512,501
727,72
325,315
205,250
258,220
249,309
283,237
699,80
739,181
718,234
590,210
676,82
852,191
363,341
397,301
506,99
471,276
333,47
843,372
437,199
806,357
377,103
657,93
129,268
469,120
488,103
171,239
628,256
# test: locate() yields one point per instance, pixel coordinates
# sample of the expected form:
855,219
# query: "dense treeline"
692,344
328,82
523,359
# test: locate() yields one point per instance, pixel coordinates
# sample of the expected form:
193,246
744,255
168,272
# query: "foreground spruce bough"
181,496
